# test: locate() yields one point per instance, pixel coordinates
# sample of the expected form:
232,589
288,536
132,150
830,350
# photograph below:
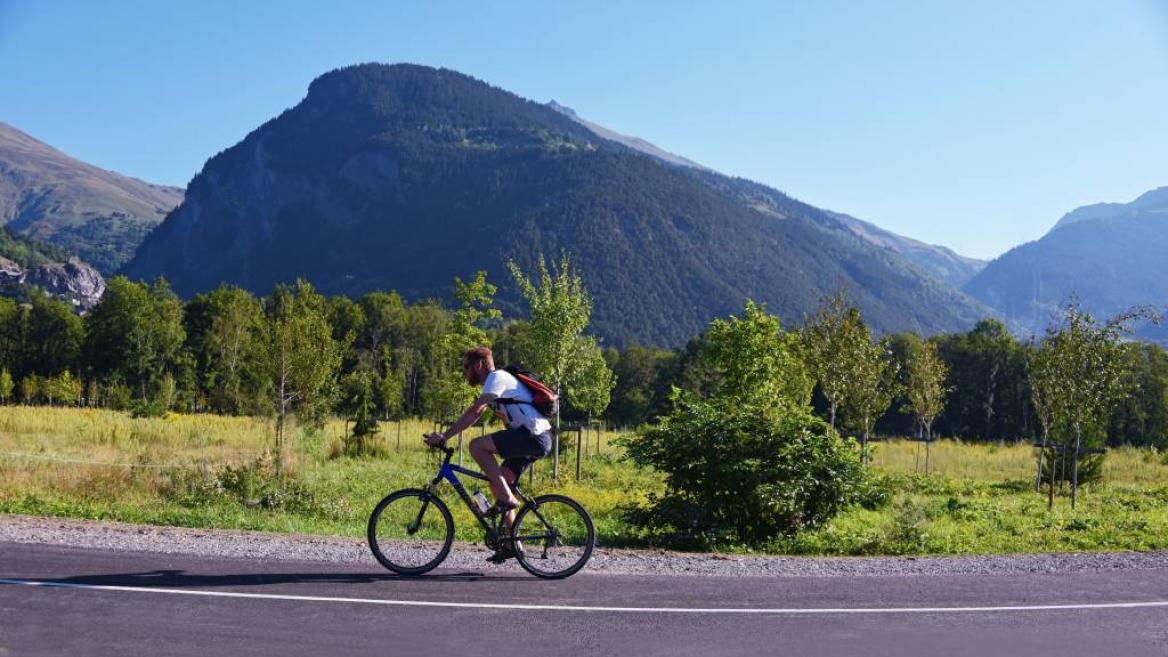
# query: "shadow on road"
181,579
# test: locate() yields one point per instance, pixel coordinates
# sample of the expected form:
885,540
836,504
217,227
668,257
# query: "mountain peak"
1155,200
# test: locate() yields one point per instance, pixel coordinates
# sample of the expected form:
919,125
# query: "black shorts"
519,448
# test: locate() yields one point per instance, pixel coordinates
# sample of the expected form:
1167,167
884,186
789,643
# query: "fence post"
579,439
556,452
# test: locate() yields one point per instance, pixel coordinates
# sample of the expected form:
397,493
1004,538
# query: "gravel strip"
293,547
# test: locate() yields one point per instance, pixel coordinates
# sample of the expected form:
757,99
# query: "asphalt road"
68,601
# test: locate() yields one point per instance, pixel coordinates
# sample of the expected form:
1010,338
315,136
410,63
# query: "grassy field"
208,471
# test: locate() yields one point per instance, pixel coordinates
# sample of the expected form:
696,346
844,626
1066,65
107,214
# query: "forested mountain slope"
402,177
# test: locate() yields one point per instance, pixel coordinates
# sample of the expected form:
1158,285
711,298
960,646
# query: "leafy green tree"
559,308
1078,377
447,392
384,321
11,333
52,339
302,358
348,321
359,403
227,341
391,385
30,388
64,388
989,396
753,360
837,344
872,387
590,390
135,334
6,385
925,387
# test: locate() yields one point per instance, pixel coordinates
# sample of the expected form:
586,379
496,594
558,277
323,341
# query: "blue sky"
969,124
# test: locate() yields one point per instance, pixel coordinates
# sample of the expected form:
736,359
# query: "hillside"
99,215
939,261
402,177
1111,256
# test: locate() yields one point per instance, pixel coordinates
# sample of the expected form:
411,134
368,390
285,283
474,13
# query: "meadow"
215,472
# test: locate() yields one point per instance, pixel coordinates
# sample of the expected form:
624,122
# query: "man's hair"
476,355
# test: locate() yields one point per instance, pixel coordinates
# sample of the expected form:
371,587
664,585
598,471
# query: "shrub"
738,474
253,484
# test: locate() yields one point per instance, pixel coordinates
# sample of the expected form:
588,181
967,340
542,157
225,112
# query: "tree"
359,403
1078,378
52,339
447,392
925,388
64,387
590,390
837,344
30,388
302,358
6,385
226,333
872,387
135,334
559,309
11,332
987,371
751,359
391,386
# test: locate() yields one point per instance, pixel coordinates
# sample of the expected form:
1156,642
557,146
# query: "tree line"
981,386
296,351
378,357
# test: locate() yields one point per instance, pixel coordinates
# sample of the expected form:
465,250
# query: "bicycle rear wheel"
410,531
556,536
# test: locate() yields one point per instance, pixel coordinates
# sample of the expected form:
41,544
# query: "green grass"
105,465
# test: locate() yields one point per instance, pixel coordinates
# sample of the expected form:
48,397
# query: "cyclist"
527,436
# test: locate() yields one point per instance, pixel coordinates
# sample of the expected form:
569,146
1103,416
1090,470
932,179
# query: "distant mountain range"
1111,256
98,215
403,177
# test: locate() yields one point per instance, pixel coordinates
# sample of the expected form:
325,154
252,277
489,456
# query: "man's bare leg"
483,450
509,477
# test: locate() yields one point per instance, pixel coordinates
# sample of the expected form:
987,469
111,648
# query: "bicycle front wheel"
554,536
410,532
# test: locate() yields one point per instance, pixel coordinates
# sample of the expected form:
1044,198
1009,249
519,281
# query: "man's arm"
469,417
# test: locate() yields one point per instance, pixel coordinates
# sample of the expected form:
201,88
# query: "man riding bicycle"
527,436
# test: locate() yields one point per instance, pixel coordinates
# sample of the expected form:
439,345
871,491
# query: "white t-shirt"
503,385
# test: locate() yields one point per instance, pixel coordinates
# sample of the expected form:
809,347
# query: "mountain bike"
411,531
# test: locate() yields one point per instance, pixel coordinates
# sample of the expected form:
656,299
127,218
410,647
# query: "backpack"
544,399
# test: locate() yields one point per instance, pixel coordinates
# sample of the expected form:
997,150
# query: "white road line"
631,610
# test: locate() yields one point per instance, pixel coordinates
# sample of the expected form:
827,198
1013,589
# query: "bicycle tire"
575,533
385,528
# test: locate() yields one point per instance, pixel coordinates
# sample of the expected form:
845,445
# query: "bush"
252,485
739,475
